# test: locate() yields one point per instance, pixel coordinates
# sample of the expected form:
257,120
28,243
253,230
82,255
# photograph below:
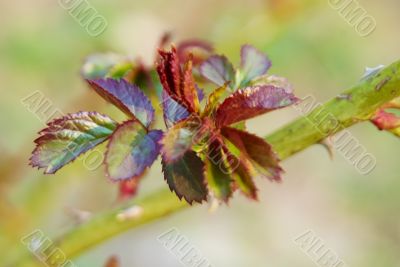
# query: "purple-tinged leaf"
127,97
68,137
253,63
273,80
218,173
131,150
200,93
258,151
250,102
181,137
173,111
185,177
218,70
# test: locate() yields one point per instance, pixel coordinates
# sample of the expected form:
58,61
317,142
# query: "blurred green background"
42,48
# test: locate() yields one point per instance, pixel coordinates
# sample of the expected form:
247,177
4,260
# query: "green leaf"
181,137
99,65
68,137
185,177
213,100
218,173
244,180
243,171
120,70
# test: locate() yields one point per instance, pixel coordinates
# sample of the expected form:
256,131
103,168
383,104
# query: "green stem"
353,106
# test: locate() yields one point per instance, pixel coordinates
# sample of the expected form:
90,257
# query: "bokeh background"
42,48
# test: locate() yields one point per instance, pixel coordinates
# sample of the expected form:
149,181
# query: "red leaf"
250,102
189,88
198,48
388,121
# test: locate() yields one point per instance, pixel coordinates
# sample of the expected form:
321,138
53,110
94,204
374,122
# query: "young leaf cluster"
205,149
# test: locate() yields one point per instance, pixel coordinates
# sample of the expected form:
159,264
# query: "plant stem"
353,106
350,107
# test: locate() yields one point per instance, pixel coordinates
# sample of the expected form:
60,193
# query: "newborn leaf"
243,171
186,177
169,71
129,188
178,84
68,137
131,150
258,151
244,180
387,121
127,97
250,102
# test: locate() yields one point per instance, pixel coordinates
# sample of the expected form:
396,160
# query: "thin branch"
359,104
